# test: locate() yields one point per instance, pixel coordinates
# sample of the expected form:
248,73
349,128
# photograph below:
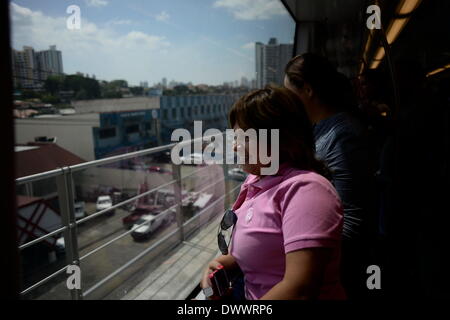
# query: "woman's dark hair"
279,108
331,87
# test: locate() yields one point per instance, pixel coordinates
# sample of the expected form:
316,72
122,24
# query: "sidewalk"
180,271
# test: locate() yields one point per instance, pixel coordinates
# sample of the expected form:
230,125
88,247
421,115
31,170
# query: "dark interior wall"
332,29
8,234
426,37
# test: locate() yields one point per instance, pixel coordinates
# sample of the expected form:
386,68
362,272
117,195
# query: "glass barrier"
101,80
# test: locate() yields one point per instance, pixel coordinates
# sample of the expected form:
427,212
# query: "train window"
87,72
107,67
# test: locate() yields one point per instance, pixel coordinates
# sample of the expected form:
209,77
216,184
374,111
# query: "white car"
139,167
60,246
79,210
237,174
193,158
105,202
202,200
146,230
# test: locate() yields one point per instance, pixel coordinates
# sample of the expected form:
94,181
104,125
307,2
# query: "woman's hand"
226,261
212,266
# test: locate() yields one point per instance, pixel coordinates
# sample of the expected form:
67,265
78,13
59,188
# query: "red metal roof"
23,201
48,156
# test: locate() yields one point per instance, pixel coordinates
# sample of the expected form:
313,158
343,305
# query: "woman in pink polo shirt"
286,239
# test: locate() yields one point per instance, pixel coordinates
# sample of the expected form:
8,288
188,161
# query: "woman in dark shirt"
340,141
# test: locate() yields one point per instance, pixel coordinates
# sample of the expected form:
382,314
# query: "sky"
198,41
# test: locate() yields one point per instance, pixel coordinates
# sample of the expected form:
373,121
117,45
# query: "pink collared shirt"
278,214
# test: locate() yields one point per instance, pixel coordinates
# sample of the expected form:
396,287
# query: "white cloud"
249,46
252,9
163,16
92,49
134,55
96,3
121,22
142,39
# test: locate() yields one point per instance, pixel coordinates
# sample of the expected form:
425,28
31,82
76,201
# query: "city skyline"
140,41
33,67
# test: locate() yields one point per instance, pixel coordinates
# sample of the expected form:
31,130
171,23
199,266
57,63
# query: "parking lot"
102,229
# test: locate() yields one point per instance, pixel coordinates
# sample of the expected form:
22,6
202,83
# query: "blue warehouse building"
121,132
181,112
123,125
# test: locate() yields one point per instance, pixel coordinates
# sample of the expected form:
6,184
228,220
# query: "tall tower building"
50,62
270,62
31,69
245,82
25,68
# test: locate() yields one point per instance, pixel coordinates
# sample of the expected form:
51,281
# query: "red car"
158,169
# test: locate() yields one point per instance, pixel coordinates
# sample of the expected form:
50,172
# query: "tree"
30,94
137,91
92,88
81,95
84,88
181,90
111,90
53,84
48,98
73,82
119,84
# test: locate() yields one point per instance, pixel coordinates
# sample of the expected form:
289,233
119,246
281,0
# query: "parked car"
60,247
145,231
237,174
158,169
105,202
155,169
139,167
79,210
138,212
202,200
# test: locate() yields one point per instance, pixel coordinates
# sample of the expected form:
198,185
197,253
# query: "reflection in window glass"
91,82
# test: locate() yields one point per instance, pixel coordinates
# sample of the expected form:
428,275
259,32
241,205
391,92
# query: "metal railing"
65,186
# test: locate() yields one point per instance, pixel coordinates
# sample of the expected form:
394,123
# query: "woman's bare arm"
303,276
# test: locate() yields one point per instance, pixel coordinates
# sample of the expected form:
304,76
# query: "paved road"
100,230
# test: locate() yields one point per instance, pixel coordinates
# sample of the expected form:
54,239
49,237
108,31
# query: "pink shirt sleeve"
311,216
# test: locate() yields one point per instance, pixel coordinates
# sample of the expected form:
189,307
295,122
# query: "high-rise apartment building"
31,68
25,68
50,62
270,60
